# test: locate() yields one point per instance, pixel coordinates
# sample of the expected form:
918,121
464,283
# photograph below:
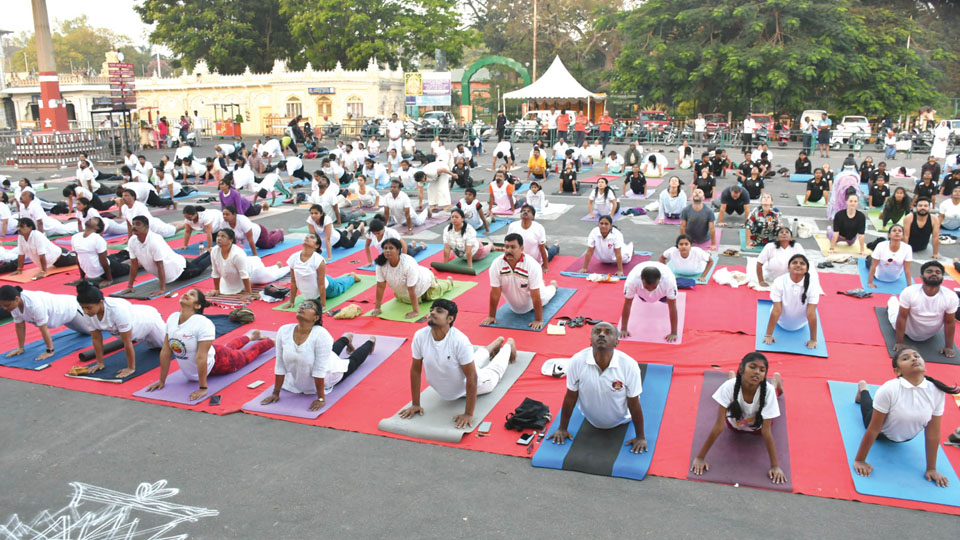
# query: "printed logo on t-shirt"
178,348
617,386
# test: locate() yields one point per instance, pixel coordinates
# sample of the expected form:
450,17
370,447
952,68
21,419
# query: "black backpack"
531,414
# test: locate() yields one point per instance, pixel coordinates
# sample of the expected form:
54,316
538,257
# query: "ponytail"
806,286
87,293
942,386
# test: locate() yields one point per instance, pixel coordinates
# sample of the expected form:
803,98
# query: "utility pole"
534,40
53,112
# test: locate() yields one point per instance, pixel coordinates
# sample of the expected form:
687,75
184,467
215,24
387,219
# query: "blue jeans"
338,285
552,252
890,152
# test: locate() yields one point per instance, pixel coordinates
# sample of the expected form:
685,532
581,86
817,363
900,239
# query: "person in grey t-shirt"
697,221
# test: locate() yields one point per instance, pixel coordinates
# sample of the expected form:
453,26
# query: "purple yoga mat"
654,182
178,389
738,458
435,220
629,194
650,321
65,241
706,245
597,267
298,405
663,220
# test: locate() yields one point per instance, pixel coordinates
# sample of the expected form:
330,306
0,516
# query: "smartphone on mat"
484,428
215,400
525,439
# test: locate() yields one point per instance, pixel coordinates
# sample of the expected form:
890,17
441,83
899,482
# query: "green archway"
484,62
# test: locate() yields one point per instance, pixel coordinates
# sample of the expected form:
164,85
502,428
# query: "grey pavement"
275,479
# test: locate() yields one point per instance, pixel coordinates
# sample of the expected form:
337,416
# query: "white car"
854,124
954,127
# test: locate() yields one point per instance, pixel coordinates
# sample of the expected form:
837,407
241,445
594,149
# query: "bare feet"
362,228
778,383
255,335
861,386
265,207
731,374
423,245
513,350
373,340
356,278
494,347
349,336
553,283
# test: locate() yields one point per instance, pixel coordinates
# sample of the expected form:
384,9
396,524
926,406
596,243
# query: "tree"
76,46
229,34
354,31
726,54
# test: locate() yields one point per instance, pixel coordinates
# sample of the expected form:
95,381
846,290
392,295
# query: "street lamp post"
3,60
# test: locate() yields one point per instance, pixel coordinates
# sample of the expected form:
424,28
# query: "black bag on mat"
531,414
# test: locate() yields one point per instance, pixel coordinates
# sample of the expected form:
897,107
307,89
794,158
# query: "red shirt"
581,123
605,123
563,122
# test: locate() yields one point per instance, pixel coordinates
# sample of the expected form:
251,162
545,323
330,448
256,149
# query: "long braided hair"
806,276
940,385
734,409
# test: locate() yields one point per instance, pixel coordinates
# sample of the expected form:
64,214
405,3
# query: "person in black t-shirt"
718,163
950,182
704,163
879,192
867,170
848,226
705,182
933,167
817,188
881,171
803,165
754,184
926,188
743,170
921,228
636,181
568,180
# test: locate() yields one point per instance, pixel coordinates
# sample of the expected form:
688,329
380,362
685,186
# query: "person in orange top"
537,166
563,125
581,128
501,194
606,123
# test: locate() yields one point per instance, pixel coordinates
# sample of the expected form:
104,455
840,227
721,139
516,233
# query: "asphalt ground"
270,479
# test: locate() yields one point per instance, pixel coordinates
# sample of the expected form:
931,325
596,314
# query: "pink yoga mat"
298,405
498,211
738,458
178,389
650,321
706,245
435,220
654,182
597,267
629,194
596,178
668,221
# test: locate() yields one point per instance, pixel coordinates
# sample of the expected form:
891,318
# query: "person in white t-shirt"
34,245
504,151
409,146
373,146
475,212
602,200
366,196
924,309
143,170
453,367
747,404
460,240
393,163
305,364
43,310
749,126
321,224
243,176
606,243
394,133
203,221
270,150
901,409
686,259
308,276
190,341
700,128
250,235
397,209
534,237
891,259
129,322
605,384
8,223
950,211
92,257
436,176
349,160
376,173
518,277
377,232
774,259
130,208
795,296
650,281
234,272
613,164
149,250
410,282
47,225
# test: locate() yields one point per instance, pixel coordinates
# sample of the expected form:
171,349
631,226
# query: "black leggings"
65,259
348,239
99,205
301,174
195,267
155,200
117,265
357,357
413,248
866,411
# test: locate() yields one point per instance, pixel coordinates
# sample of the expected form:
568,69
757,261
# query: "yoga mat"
715,257
148,289
874,217
430,251
178,389
506,318
147,360
494,226
798,177
358,288
65,343
598,267
663,220
343,253
929,349
629,194
706,245
67,241
287,243
650,321
898,468
498,211
743,243
948,232
738,458
883,287
596,178
394,310
604,451
459,266
818,204
581,189
436,423
435,220
27,275
177,236
842,247
298,405
616,217
787,342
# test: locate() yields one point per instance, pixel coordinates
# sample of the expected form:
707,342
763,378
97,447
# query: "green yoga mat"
394,310
874,217
819,204
365,283
459,266
743,243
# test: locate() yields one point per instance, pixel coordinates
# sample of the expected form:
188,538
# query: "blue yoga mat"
147,360
948,232
787,342
898,468
797,177
432,249
883,287
340,253
196,193
506,318
653,400
65,343
696,277
494,226
194,249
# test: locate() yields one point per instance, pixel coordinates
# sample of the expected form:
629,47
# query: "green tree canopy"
228,34
76,45
784,54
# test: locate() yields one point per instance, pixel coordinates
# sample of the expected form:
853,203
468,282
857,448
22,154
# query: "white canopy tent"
557,84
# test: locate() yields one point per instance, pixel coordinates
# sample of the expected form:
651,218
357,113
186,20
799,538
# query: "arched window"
293,107
355,106
324,107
